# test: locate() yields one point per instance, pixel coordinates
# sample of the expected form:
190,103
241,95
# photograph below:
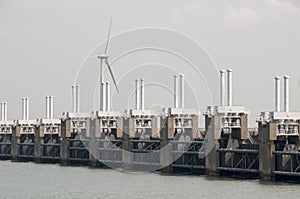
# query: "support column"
165,146
244,125
93,145
39,130
119,127
195,126
65,134
126,144
267,135
212,145
154,126
14,143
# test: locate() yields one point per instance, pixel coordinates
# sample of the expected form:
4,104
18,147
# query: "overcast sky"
43,43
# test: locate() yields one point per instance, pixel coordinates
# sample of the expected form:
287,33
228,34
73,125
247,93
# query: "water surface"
30,180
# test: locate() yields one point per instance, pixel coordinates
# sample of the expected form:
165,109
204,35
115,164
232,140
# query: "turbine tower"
104,58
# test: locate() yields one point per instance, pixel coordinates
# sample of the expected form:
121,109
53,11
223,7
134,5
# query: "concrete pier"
181,141
230,148
108,129
48,142
78,138
26,141
213,130
267,136
166,147
39,130
141,140
93,144
65,134
279,139
126,152
14,143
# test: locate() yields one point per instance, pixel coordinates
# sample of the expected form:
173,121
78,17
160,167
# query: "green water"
29,180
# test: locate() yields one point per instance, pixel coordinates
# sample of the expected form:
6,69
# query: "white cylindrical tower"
277,94
181,91
74,98
137,94
222,87
142,94
77,99
5,111
23,109
50,107
2,111
47,107
229,87
176,92
286,94
27,108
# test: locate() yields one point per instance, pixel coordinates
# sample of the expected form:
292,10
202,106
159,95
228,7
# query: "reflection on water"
29,180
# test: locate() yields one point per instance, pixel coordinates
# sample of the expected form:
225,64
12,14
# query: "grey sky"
42,44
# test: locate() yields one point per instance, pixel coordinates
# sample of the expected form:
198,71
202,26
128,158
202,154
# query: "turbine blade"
108,37
112,75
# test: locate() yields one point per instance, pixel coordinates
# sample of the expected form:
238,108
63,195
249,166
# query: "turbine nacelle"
103,56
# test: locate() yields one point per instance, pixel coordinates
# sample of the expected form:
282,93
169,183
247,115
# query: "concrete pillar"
212,161
170,127
195,125
244,125
154,126
119,127
212,157
131,128
93,144
37,143
65,135
267,136
165,146
88,128
14,142
126,145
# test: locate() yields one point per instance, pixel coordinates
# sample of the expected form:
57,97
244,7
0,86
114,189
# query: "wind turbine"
104,58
